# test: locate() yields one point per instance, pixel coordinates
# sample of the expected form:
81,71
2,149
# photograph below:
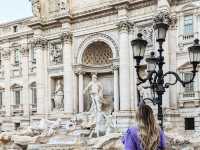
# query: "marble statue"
59,96
103,117
96,93
36,8
33,134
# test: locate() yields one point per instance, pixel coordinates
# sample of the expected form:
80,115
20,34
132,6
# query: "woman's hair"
149,131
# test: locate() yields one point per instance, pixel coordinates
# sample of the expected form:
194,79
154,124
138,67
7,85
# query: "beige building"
66,41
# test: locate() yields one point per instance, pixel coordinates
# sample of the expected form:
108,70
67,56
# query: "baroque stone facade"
69,41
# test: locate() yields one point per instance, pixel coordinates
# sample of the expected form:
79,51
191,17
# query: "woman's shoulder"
132,130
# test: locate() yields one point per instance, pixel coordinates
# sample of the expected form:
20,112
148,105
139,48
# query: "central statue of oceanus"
95,89
103,119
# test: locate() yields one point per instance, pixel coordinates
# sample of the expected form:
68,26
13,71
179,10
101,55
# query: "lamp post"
156,76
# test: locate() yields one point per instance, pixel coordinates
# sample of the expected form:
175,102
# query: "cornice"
92,68
111,9
17,36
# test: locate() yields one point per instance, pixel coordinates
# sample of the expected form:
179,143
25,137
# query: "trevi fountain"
67,76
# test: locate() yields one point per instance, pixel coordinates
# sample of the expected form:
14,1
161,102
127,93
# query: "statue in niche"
98,110
36,8
58,97
96,93
56,54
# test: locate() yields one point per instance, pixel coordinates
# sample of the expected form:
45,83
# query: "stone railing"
17,109
188,36
16,70
33,108
2,110
189,95
189,98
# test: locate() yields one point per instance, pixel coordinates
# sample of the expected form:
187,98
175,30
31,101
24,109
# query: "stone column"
75,92
68,72
39,45
133,76
81,100
25,65
124,70
116,88
172,45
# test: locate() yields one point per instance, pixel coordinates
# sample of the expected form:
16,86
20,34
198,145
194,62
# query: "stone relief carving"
24,51
56,54
125,26
53,6
58,104
63,4
148,34
39,42
67,37
6,53
36,8
58,5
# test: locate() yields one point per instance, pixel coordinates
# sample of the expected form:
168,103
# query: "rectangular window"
188,24
33,55
1,98
34,96
0,60
17,55
189,124
188,87
17,126
17,97
15,29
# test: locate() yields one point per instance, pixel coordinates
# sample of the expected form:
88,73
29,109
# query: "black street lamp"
156,76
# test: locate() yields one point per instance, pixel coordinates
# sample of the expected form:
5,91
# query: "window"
16,93
0,60
1,98
15,28
17,97
188,87
188,24
189,124
34,93
17,125
17,55
33,55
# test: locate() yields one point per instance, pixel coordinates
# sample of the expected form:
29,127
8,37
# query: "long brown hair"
149,131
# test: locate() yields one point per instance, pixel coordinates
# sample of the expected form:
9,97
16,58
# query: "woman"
147,135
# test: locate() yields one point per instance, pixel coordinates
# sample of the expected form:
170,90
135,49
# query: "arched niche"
97,54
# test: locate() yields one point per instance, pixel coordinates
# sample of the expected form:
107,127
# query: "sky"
11,10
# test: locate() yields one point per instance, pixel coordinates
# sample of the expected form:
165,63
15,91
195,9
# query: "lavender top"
131,140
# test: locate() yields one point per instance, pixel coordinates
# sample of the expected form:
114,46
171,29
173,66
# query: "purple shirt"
131,140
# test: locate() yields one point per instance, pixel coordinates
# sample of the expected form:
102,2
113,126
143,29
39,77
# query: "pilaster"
40,44
124,63
68,72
